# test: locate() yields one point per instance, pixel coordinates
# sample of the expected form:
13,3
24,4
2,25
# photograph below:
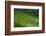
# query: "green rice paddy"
26,18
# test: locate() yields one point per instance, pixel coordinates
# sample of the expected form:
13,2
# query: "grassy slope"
22,19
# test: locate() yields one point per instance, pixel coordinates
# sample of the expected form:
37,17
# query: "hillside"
26,18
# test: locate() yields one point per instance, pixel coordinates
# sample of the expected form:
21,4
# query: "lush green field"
26,18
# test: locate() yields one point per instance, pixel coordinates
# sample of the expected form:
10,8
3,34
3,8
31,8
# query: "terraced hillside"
26,18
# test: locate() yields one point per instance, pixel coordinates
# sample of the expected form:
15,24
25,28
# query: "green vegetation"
26,17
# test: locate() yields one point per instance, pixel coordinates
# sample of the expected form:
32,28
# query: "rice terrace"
26,17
